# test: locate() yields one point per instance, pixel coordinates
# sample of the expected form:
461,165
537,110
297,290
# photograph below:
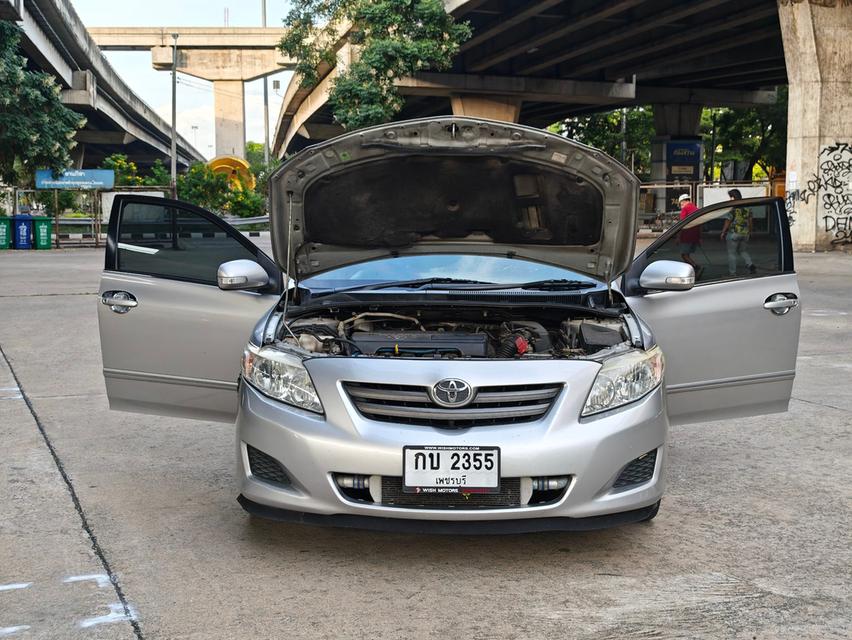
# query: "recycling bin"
5,232
42,227
22,226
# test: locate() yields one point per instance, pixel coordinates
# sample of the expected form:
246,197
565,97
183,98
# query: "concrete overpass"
539,61
118,121
228,56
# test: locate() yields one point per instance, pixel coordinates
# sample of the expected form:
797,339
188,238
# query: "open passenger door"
171,339
730,342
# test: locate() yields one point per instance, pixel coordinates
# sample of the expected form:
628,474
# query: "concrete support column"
493,107
677,119
227,69
78,155
671,122
230,112
816,39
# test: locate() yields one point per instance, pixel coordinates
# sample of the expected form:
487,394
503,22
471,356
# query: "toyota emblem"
451,392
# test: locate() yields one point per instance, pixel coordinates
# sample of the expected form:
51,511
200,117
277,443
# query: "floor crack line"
78,507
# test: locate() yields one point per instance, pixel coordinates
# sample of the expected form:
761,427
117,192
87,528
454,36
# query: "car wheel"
654,511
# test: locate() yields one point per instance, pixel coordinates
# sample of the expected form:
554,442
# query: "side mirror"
240,275
668,275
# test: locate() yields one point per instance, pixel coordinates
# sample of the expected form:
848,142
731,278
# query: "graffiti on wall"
791,201
831,186
820,3
835,170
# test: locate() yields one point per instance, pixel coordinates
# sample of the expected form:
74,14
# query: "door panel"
726,355
730,345
171,340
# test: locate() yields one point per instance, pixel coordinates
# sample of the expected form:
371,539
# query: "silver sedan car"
453,334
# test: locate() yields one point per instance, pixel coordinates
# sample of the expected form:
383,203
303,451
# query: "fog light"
352,482
549,484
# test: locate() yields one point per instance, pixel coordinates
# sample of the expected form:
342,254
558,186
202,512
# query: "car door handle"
781,303
119,301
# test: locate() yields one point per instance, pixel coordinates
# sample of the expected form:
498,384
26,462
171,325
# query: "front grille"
266,467
638,471
393,496
408,404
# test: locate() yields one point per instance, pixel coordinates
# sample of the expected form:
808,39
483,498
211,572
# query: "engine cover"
421,343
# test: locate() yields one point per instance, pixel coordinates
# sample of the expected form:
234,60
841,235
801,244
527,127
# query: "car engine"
469,333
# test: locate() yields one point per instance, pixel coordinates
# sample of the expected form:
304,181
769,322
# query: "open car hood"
453,185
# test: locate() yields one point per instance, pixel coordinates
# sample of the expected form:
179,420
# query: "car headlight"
280,375
624,379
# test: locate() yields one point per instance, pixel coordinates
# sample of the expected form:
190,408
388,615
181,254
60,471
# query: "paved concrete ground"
753,540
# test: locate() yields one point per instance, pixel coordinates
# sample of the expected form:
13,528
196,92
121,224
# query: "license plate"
451,469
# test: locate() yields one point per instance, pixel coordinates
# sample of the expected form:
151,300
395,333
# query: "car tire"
654,511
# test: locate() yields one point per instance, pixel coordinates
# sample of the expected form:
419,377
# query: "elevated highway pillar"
673,122
227,69
229,107
816,36
506,108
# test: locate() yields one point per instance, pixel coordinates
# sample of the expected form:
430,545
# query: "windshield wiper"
557,285
542,285
422,282
473,285
408,284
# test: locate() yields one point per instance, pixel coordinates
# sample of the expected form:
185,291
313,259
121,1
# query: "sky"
194,96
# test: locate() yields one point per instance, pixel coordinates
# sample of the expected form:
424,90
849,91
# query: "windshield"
488,269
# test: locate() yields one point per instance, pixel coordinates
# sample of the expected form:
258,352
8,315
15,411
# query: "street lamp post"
265,99
174,116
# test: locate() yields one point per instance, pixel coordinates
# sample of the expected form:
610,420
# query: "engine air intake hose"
515,344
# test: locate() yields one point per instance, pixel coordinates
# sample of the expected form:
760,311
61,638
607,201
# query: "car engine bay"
457,333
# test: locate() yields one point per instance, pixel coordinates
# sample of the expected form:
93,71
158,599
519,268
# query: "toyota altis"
453,333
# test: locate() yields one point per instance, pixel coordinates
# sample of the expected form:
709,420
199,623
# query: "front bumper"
450,527
312,448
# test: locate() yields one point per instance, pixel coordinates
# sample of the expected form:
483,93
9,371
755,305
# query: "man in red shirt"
690,238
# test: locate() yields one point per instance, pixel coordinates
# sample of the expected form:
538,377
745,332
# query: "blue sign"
683,159
76,179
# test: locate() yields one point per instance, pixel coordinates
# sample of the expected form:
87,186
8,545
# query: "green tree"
214,191
158,175
36,129
254,156
393,38
245,203
756,136
126,172
67,200
261,171
204,188
603,131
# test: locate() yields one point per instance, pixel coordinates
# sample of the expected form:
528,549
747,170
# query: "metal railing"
234,222
7,201
658,206
711,193
658,201
244,222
